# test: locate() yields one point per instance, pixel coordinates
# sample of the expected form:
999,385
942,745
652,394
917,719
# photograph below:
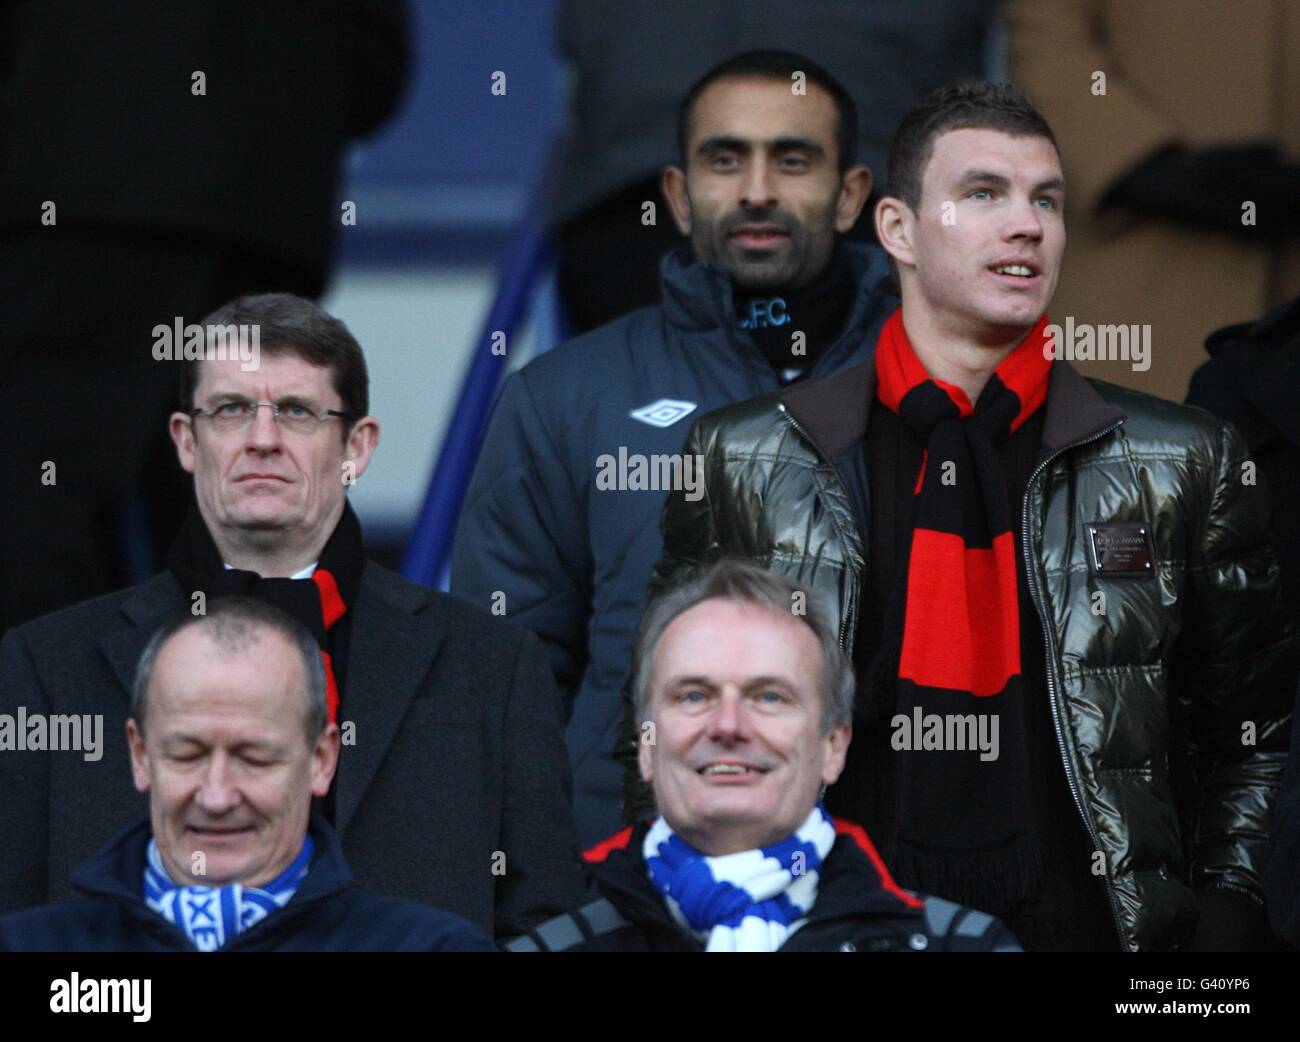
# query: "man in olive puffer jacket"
1079,572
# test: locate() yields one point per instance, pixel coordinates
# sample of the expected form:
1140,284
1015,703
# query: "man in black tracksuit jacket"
540,528
327,913
859,909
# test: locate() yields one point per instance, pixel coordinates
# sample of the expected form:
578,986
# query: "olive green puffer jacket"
1171,703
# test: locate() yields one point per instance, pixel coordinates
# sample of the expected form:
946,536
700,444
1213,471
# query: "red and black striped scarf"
319,603
965,828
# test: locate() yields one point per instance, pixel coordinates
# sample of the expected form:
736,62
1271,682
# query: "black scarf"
320,603
818,311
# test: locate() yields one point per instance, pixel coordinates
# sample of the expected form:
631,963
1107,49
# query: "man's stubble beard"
712,241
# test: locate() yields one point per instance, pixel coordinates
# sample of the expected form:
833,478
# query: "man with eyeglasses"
452,788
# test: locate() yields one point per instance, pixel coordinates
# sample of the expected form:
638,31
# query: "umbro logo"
663,413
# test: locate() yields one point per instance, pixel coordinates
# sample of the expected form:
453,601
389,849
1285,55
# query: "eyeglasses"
237,413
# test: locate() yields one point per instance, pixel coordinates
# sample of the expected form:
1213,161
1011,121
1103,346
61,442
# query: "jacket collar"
146,607
393,645
845,888
1075,410
834,411
622,876
117,871
698,296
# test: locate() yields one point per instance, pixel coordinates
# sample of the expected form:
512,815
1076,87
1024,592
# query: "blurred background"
440,194
483,145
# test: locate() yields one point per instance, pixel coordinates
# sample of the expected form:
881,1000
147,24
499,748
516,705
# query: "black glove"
1206,189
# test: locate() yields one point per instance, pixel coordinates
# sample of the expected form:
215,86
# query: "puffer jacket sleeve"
1238,664
689,528
521,543
690,543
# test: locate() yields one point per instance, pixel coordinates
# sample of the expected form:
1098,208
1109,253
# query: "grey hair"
738,581
232,624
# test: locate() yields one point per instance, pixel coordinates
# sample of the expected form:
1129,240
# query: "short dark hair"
776,65
231,623
293,325
960,105
741,582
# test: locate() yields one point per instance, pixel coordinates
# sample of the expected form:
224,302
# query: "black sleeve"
24,786
543,872
1208,188
381,44
1282,870
521,545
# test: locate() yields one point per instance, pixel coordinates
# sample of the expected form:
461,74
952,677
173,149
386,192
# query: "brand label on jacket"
1122,549
663,413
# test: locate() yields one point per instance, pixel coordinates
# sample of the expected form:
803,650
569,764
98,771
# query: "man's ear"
324,760
855,189
672,182
139,762
837,749
644,759
181,428
895,227
363,439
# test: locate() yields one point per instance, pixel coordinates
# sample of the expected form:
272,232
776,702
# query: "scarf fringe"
994,881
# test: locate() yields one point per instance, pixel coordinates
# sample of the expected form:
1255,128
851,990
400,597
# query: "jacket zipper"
1047,633
1034,594
850,610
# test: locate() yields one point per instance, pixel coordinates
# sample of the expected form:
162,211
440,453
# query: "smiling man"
766,295
230,738
745,699
452,786
1006,543
765,184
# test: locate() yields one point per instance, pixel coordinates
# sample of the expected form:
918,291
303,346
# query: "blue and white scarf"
751,901
211,915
